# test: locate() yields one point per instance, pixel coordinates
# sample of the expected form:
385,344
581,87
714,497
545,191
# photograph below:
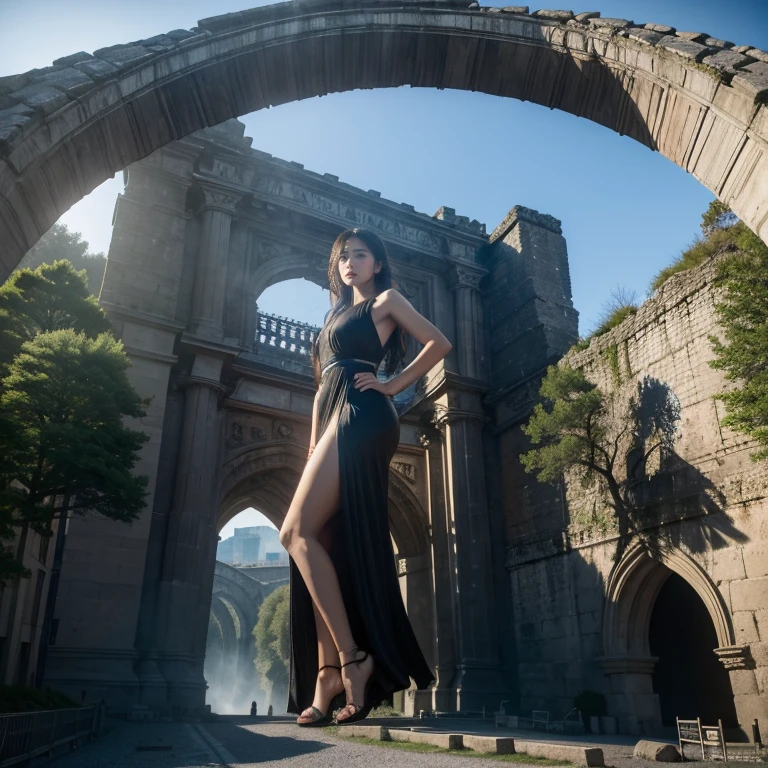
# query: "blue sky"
626,211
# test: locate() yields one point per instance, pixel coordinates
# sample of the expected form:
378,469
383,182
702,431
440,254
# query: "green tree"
59,242
49,298
62,404
743,315
273,640
598,436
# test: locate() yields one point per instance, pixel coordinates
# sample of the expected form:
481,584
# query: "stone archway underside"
66,128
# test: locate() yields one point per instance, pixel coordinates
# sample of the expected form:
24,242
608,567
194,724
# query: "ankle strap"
327,666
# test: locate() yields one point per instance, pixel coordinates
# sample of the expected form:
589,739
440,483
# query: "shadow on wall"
665,488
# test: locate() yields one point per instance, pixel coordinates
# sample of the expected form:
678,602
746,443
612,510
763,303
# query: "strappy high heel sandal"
320,718
361,711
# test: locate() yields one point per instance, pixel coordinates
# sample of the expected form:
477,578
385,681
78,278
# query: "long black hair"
342,295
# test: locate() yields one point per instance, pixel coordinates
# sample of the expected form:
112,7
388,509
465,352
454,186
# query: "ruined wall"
705,513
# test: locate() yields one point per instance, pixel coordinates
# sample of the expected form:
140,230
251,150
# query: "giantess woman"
349,632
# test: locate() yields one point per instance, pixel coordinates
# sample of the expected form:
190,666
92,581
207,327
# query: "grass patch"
24,698
410,746
702,249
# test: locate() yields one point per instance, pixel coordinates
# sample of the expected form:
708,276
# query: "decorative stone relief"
462,277
283,430
353,217
735,657
408,471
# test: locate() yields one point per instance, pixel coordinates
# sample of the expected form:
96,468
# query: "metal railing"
25,735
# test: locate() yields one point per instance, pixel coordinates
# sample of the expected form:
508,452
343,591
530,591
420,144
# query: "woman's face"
356,263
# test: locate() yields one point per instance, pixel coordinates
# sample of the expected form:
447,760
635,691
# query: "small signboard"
714,742
689,732
710,738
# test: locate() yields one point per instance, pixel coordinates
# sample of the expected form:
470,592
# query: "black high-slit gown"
367,433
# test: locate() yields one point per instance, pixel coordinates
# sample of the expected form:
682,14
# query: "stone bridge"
236,599
64,129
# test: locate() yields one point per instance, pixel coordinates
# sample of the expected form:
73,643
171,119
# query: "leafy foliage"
24,698
599,436
59,242
61,432
743,314
272,640
50,298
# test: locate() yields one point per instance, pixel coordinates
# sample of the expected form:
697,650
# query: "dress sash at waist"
343,360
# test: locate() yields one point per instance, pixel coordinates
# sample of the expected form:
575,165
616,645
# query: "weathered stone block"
758,54
41,97
124,56
494,745
578,755
761,619
745,627
556,15
587,15
70,80
728,565
612,23
726,60
96,69
753,80
695,37
444,740
756,560
656,751
73,58
378,732
663,28
688,49
759,652
644,35
716,42
749,594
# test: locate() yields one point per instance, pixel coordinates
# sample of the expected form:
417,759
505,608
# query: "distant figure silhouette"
253,708
269,711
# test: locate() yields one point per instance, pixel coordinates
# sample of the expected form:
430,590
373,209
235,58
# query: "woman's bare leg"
329,681
316,500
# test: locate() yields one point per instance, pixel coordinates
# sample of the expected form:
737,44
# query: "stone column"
185,588
749,696
479,680
442,588
470,326
216,214
415,573
631,698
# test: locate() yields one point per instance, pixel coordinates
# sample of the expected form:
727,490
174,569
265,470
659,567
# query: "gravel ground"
242,742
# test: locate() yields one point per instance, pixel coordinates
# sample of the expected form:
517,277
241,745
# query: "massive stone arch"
66,128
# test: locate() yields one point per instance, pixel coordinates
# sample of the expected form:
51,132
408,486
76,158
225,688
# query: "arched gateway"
207,223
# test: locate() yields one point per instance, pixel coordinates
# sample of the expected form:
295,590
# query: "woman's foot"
357,668
329,685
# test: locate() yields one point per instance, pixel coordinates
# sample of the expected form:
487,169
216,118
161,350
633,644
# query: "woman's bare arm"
436,345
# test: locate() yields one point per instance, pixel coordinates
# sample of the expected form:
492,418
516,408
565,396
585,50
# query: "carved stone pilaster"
470,333
216,211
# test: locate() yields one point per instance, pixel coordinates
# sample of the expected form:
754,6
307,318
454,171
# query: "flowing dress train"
367,433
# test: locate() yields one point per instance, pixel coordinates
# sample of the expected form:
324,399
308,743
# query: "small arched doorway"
688,678
663,620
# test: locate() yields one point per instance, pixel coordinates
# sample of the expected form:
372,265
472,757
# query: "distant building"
251,545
